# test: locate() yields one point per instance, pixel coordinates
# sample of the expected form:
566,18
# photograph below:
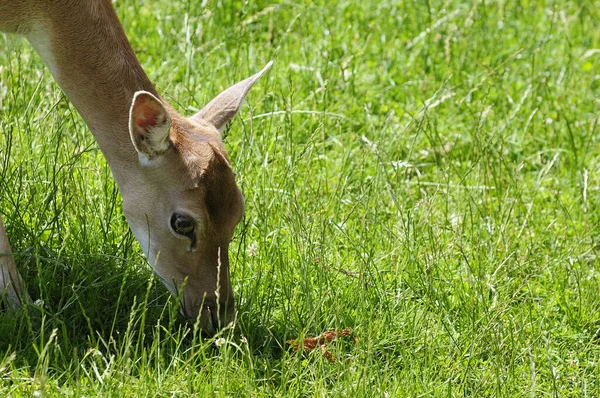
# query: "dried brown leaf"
310,343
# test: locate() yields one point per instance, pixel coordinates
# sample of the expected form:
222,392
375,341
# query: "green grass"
426,173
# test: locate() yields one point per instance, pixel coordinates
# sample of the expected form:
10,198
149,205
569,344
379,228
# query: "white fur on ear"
223,108
149,125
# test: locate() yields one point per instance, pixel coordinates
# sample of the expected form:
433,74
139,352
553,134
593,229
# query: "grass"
426,173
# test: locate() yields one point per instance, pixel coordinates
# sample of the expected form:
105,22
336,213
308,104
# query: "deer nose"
212,317
219,315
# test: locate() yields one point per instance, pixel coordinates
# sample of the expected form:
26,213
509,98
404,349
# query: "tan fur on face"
207,191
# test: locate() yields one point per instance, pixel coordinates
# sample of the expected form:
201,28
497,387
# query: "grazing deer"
179,192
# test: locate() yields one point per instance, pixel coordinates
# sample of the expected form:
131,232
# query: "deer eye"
183,225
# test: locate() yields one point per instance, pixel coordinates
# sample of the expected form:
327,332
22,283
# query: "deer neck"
90,57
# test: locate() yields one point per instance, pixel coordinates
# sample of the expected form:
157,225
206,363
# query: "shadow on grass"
86,298
96,301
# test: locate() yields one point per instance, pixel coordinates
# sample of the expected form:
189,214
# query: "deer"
178,188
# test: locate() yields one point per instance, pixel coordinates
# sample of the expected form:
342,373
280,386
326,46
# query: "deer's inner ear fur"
223,108
149,125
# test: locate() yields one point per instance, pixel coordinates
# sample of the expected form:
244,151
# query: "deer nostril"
214,317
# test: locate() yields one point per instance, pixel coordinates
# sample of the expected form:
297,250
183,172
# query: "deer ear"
149,125
223,108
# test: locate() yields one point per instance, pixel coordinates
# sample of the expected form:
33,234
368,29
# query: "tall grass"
425,173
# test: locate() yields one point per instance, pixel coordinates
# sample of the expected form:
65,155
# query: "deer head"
185,204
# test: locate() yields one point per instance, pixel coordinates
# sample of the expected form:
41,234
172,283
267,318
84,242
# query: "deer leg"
11,284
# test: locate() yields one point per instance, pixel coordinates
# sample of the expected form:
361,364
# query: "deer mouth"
211,317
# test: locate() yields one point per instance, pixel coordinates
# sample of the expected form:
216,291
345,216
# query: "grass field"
425,173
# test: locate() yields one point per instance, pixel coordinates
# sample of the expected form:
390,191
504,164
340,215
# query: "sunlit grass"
425,173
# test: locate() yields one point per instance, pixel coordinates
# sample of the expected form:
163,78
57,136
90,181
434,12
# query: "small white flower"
397,164
252,250
220,341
